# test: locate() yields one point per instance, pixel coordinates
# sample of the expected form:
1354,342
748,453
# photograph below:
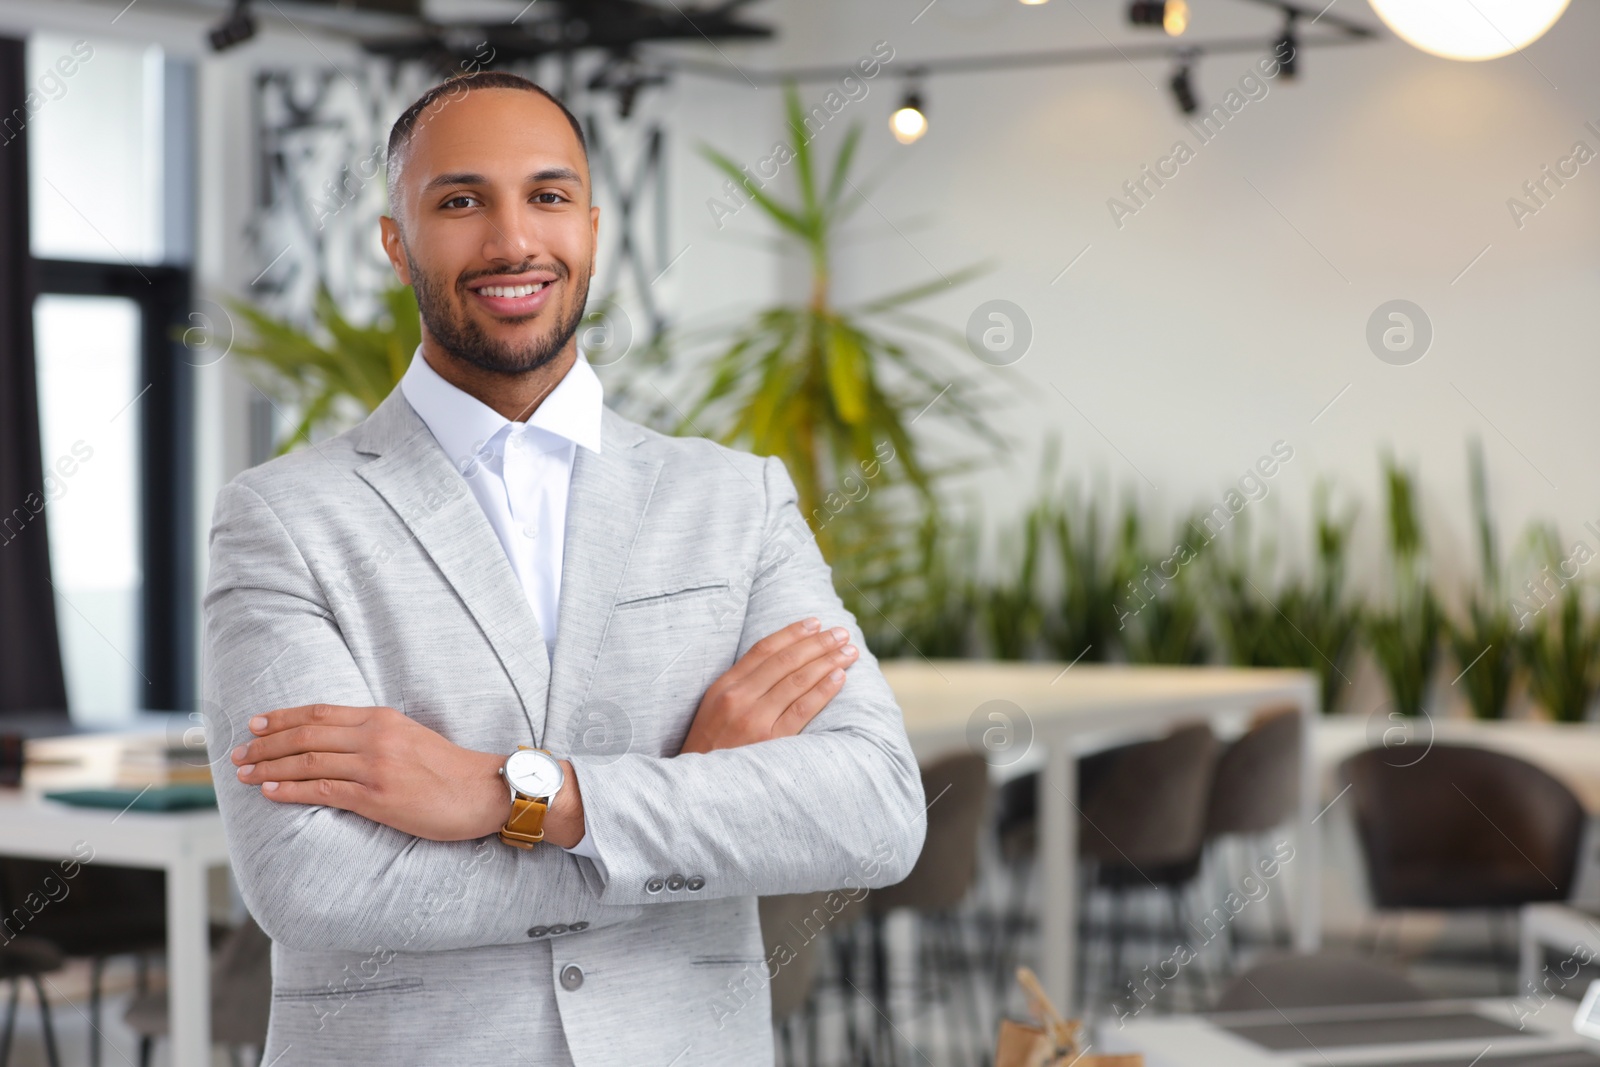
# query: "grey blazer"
362,571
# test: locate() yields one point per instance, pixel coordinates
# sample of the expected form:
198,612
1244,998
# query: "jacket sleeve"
318,877
838,806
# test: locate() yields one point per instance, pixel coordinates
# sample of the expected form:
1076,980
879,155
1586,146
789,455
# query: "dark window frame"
163,295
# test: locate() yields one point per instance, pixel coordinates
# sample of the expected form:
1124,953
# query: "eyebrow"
549,174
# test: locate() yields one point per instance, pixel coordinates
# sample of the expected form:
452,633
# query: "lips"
513,296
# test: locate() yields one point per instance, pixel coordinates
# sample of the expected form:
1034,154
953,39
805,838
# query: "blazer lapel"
605,508
415,476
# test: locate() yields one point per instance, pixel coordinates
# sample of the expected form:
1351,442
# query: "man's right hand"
775,688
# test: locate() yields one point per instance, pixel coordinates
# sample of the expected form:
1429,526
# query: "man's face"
495,234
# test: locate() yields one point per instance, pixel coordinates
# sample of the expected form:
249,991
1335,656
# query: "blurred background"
1126,353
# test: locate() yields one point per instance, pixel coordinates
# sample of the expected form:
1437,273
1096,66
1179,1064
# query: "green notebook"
156,798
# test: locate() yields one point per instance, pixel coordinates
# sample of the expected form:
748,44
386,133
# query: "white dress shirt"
521,473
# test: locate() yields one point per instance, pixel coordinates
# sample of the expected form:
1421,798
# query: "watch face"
533,773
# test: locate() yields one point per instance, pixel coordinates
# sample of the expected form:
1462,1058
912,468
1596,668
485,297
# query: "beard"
465,339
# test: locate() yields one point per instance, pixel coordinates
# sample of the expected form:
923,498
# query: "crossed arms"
791,778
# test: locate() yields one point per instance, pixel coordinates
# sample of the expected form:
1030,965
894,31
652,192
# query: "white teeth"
512,290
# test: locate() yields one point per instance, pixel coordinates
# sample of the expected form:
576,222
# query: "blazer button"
571,977
674,883
695,883
654,886
538,931
558,928
578,927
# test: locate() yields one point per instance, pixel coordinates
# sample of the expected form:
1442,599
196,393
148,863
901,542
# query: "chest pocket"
663,648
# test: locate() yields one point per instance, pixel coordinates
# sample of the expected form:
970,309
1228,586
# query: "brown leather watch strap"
525,827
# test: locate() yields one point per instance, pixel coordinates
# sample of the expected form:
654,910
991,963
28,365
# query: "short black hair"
405,127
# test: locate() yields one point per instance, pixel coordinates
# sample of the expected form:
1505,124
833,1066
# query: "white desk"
186,845
1199,1041
1003,709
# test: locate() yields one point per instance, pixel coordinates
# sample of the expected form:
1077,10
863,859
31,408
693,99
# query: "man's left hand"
379,764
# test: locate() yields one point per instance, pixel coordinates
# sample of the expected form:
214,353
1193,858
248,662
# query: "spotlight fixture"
236,29
1170,15
1287,50
909,122
1182,87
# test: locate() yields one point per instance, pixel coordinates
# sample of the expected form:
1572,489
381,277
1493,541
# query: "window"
111,260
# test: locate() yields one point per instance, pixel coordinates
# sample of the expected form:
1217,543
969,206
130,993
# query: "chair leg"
147,1050
880,990
11,1021
50,1054
1012,924
97,968
953,932
1503,953
1119,935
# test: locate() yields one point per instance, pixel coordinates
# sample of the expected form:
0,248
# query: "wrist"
493,806
563,823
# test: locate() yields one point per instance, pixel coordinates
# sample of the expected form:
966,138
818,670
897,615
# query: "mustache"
558,269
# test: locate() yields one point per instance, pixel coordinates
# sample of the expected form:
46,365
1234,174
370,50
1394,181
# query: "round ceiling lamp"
1469,29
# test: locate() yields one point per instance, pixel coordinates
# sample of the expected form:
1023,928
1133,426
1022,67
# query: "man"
492,564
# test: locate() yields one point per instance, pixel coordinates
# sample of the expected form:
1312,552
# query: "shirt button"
571,977
674,883
538,931
530,531
695,883
578,927
558,928
654,886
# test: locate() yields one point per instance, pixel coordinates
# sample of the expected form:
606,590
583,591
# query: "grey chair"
241,996
1143,820
1316,981
1256,790
958,794
1143,817
29,958
1464,828
791,926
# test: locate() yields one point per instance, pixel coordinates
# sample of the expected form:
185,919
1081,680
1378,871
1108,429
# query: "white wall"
1209,325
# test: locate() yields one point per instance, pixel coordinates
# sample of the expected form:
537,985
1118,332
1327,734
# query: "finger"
799,682
806,707
310,714
765,648
295,740
306,767
780,665
348,796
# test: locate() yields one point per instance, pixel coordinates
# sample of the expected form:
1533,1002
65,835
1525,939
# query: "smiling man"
517,706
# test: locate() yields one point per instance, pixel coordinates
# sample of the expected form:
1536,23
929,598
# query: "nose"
511,235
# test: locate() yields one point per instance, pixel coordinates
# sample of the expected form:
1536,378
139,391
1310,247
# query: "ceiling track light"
234,30
1182,84
1170,15
909,121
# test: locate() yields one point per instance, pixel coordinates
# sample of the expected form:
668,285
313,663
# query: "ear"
395,249
594,228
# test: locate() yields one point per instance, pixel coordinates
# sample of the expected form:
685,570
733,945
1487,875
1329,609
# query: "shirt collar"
463,425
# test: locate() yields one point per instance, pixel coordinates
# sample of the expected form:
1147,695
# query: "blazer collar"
611,489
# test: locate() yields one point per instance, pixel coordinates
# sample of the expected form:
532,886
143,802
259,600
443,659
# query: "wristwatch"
534,778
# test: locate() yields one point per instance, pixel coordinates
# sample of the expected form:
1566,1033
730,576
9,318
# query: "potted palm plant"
338,364
832,389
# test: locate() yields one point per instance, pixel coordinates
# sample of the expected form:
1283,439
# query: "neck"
514,396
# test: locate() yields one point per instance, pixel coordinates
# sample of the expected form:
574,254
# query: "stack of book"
159,761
